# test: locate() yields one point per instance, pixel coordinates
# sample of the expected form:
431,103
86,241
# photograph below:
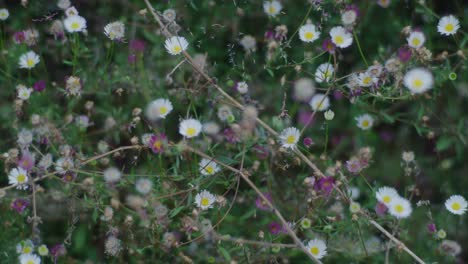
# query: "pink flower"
325,185
157,143
261,204
27,161
19,205
380,209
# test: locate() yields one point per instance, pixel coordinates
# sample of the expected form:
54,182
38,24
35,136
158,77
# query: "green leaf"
225,253
443,143
176,211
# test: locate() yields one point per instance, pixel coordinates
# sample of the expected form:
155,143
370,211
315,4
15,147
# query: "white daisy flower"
308,33
190,128
289,137
19,177
24,92
400,208
208,167
340,37
366,79
304,88
4,14
242,87
115,30
272,8
158,108
28,60
63,4
205,199
365,121
29,259
456,204
62,165
386,195
348,17
317,248
248,43
448,25
75,24
176,45
319,102
418,80
416,39
324,72
144,186
112,174
71,11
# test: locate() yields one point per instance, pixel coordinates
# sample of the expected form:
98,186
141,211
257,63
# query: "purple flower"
324,185
58,251
386,136
19,205
380,209
27,161
230,136
275,228
19,37
355,8
404,54
354,166
261,152
338,95
137,45
261,204
69,176
269,34
157,143
328,46
39,86
308,141
131,58
304,117
431,228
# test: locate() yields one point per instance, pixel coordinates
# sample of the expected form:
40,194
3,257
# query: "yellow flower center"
399,208
314,250
309,35
205,201
75,25
209,169
191,131
177,49
449,27
418,83
157,144
387,199
271,10
27,250
365,123
339,40
21,178
416,42
291,139
367,80
30,62
163,110
456,206
30,262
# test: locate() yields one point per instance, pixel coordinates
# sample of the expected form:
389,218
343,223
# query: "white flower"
248,43
418,80
348,17
354,192
74,24
304,88
289,137
308,33
29,259
28,60
448,25
176,45
4,14
386,195
158,108
25,137
43,250
242,87
272,8
456,204
320,102
73,86
354,207
329,115
365,121
366,79
46,161
115,30
416,39
18,177
211,128
208,167
71,11
24,92
144,185
63,165
205,199
112,174
170,15
190,128
400,208
340,37
317,248
324,72
63,4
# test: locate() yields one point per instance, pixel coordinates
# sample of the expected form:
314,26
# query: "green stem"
359,47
